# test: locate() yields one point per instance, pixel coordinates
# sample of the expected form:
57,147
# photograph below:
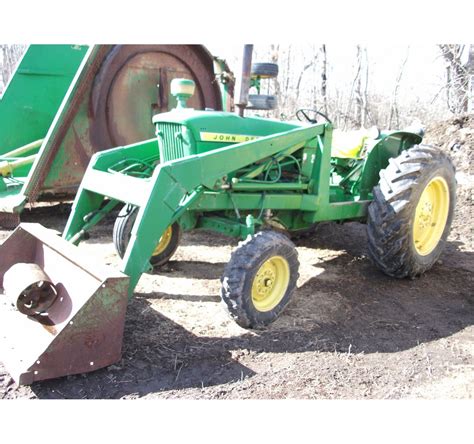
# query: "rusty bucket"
61,313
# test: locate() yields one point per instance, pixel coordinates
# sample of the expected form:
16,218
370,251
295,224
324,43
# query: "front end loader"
256,179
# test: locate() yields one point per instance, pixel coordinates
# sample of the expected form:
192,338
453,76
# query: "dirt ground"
350,332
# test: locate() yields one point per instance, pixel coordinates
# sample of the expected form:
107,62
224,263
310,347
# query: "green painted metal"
27,109
229,174
183,90
391,144
35,91
16,190
171,190
59,159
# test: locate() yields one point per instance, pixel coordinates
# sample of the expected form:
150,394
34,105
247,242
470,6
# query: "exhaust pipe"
243,81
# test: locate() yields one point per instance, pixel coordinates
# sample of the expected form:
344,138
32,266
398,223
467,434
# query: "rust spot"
91,341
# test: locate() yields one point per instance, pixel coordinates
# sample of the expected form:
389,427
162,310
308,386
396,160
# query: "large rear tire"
123,229
260,279
411,214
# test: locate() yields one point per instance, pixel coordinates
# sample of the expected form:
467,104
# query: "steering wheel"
302,114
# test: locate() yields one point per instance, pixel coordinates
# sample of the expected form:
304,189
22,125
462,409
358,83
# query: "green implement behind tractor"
66,102
256,179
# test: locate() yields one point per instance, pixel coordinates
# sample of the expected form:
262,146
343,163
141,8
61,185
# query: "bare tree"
470,70
324,79
308,78
355,83
457,77
393,104
367,114
10,54
274,57
307,66
359,100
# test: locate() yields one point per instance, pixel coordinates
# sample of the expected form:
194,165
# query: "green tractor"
256,179
262,181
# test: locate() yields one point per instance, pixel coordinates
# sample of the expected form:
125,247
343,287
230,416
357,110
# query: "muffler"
61,313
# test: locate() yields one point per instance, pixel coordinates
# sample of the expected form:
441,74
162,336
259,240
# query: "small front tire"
260,279
123,229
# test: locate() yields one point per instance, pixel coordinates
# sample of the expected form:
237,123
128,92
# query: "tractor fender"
379,151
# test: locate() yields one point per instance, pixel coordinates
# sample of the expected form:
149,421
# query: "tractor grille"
170,141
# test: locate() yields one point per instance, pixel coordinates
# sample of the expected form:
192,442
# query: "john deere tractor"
257,179
262,180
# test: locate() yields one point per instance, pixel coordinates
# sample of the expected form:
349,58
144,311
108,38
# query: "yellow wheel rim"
164,241
270,283
430,216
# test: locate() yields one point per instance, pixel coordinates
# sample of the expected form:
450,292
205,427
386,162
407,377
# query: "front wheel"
411,214
260,279
167,244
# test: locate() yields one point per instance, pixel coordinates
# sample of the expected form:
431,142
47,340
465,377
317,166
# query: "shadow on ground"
350,306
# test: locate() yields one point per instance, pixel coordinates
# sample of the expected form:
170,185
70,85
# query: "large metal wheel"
411,214
260,279
133,84
123,228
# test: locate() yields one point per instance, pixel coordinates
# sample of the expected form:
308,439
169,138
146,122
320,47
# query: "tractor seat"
348,144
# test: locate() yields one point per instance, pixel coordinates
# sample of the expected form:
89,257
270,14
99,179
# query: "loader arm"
173,187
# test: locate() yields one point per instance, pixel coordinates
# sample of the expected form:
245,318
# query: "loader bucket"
79,330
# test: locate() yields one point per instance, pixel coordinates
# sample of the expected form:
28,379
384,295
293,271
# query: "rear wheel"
411,214
123,229
260,279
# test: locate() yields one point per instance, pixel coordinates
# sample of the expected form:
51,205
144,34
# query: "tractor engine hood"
221,128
